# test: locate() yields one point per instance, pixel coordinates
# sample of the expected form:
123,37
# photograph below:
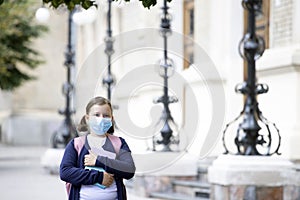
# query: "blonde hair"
83,126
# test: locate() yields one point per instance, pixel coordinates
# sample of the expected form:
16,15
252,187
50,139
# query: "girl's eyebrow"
104,113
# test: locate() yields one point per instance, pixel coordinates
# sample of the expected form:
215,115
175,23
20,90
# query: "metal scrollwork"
255,135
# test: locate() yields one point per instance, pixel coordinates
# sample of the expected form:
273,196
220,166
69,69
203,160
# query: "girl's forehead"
101,108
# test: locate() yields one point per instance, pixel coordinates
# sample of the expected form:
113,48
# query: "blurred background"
204,49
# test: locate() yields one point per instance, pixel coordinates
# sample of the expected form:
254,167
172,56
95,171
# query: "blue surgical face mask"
99,125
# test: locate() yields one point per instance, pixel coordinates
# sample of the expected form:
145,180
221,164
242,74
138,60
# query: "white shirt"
94,192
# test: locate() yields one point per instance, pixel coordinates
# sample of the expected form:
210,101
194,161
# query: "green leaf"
87,4
55,3
76,2
148,3
71,5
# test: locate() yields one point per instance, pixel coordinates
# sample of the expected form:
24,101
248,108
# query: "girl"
96,171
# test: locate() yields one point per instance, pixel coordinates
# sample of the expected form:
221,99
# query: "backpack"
79,143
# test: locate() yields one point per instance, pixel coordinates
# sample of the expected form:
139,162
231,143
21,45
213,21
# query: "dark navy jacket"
72,168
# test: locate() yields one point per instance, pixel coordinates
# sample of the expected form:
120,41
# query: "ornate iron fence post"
249,140
166,70
67,130
109,79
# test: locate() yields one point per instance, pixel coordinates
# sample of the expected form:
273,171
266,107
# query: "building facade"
204,49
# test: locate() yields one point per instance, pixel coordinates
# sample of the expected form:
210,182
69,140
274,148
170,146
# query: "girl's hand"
107,179
90,159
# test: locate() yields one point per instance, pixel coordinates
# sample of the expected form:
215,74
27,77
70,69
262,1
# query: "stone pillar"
253,178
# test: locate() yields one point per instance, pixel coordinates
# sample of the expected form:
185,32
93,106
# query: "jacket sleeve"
123,166
71,173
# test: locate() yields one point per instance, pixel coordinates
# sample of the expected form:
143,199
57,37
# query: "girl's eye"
99,115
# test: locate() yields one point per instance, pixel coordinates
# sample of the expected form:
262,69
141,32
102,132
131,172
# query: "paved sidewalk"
23,178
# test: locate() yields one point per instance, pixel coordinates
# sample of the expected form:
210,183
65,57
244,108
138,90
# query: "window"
188,30
262,26
262,22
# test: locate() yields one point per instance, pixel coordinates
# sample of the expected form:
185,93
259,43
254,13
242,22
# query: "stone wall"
281,22
250,192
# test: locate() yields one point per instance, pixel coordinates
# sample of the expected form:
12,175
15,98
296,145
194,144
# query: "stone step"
195,184
192,188
202,166
174,196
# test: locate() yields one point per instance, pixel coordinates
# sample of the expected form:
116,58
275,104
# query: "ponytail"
83,127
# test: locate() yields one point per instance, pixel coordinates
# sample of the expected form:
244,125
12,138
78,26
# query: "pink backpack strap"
79,143
116,142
